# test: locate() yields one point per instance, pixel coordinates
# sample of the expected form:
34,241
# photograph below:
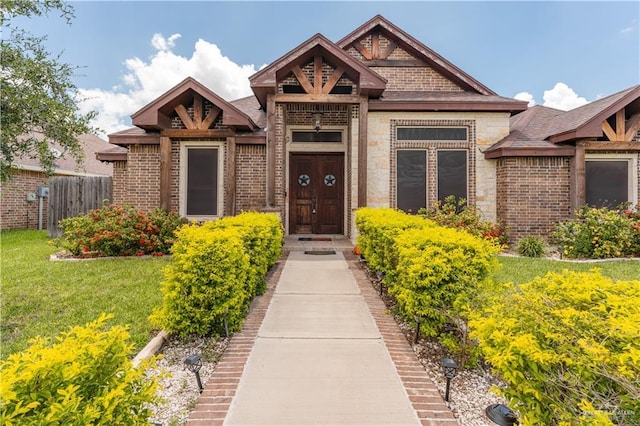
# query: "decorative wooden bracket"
625,130
198,122
317,87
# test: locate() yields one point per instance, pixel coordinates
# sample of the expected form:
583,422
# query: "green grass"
524,269
44,298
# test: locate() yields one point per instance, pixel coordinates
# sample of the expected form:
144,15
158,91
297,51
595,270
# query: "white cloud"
146,80
160,43
562,97
633,25
526,96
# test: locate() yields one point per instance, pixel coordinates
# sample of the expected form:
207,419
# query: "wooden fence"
70,196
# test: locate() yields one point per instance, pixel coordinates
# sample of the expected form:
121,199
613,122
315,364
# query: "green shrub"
531,247
217,268
377,230
262,237
598,233
119,231
204,288
568,345
439,273
456,213
83,378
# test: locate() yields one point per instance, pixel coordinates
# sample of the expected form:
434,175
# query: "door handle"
313,205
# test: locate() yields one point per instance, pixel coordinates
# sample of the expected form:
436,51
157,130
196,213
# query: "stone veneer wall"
533,194
485,129
17,212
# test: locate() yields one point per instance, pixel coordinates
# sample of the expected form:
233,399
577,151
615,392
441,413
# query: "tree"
39,101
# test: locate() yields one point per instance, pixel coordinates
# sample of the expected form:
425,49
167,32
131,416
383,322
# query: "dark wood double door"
316,188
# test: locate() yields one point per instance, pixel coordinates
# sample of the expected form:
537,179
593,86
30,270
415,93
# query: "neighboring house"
375,119
19,198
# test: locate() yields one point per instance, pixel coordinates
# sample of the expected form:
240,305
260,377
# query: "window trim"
182,198
632,175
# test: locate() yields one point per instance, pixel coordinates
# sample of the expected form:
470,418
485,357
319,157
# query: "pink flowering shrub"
119,231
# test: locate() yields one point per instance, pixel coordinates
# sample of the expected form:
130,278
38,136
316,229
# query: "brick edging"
214,402
423,393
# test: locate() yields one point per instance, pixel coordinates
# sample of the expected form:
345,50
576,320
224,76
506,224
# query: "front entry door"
316,188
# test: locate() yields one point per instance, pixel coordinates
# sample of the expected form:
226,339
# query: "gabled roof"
66,164
156,115
586,121
544,131
418,49
266,80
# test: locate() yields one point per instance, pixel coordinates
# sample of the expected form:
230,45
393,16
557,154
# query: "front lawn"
524,269
44,298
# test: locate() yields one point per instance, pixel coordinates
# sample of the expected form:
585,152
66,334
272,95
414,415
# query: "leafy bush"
217,268
531,246
119,231
433,272
262,236
598,233
83,378
455,213
378,228
568,346
439,273
204,287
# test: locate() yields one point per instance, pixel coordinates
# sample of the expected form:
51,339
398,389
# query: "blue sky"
133,51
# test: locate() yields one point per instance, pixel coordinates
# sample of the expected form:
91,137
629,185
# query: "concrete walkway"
317,349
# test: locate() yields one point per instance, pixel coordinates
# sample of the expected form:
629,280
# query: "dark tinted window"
432,133
411,178
607,183
316,137
452,174
202,182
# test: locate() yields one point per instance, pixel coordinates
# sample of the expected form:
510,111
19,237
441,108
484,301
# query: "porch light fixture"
193,364
501,415
449,368
316,119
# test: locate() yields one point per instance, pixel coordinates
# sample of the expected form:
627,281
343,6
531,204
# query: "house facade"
23,204
374,119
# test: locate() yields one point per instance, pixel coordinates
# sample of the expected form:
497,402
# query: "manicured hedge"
83,378
432,271
568,345
217,268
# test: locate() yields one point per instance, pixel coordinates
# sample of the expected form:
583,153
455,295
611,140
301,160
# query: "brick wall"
533,194
415,78
251,173
17,212
137,181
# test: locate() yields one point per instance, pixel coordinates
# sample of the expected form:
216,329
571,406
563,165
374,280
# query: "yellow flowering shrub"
568,345
262,236
217,268
84,377
377,230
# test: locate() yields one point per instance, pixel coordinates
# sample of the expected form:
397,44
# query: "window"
312,136
432,133
452,174
607,182
201,180
411,180
450,177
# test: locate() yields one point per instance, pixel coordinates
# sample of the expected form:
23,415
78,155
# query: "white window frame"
632,160
184,147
